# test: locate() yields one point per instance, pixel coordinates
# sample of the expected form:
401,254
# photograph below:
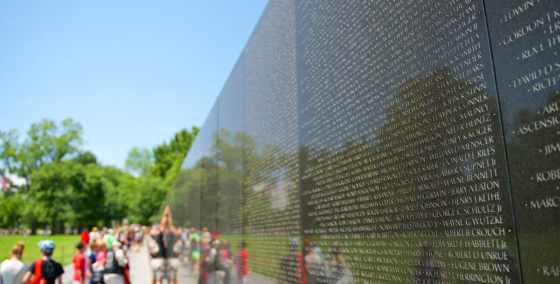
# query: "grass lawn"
65,247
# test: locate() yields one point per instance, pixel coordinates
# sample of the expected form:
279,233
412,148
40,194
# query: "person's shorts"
113,278
172,268
158,268
195,255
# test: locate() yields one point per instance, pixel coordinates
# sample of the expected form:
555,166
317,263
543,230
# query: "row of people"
101,257
211,260
43,270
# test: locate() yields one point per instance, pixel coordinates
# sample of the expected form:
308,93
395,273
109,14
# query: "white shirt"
12,271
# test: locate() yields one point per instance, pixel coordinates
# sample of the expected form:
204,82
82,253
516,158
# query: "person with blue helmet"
45,267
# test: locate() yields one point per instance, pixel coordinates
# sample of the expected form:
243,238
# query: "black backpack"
218,263
112,266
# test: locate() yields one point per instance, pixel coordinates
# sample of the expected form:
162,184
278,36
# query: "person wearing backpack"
44,270
215,264
114,265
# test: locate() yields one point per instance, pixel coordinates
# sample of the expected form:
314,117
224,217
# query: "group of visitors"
211,260
311,267
41,271
101,257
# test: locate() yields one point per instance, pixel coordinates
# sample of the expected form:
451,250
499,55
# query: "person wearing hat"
94,233
45,267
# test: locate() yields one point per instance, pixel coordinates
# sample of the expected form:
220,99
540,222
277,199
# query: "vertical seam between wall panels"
513,212
299,147
243,145
217,202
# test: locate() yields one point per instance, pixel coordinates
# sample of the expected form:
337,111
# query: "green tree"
139,162
169,156
46,142
10,213
144,199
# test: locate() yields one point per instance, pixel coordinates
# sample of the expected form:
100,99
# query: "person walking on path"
45,267
164,261
91,255
84,236
13,269
98,267
114,264
79,261
215,264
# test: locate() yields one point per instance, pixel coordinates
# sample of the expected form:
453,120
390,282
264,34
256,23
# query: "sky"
132,73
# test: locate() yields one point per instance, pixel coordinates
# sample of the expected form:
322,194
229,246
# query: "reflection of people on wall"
204,250
291,267
227,257
195,258
505,258
241,263
428,269
315,265
215,264
338,268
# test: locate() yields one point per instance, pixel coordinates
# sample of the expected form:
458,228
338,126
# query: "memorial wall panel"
272,196
185,194
405,173
229,154
387,142
525,37
208,168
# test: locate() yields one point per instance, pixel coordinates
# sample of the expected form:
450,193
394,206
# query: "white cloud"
16,180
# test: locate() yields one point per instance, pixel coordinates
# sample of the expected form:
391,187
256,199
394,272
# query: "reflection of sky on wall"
366,49
507,49
366,60
204,140
231,99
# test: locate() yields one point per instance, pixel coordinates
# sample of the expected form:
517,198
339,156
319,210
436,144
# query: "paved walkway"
68,274
140,272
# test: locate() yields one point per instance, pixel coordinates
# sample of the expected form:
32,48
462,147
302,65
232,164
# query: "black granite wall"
387,141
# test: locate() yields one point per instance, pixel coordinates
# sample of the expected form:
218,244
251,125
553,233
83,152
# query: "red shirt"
79,261
241,262
84,236
101,256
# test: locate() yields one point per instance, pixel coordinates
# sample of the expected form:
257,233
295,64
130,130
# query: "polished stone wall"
387,141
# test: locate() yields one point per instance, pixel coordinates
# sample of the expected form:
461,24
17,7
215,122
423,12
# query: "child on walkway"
79,261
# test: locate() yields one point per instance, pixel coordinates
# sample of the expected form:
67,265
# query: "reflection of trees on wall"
184,198
229,157
533,151
439,149
212,192
270,190
423,151
439,152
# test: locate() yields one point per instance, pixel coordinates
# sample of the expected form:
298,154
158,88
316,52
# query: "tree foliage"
46,142
65,187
